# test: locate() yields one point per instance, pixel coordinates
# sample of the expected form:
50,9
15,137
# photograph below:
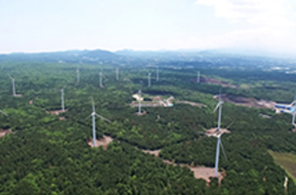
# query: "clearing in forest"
215,82
287,161
56,112
248,102
105,141
213,132
4,132
190,103
154,101
199,172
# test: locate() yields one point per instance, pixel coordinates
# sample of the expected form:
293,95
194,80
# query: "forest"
45,154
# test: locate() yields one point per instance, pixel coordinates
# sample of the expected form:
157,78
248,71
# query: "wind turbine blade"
216,107
230,125
223,151
10,77
87,117
3,113
103,118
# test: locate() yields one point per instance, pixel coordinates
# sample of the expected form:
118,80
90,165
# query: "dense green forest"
46,155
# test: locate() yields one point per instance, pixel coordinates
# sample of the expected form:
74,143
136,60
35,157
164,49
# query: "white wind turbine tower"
62,97
198,77
117,74
77,75
139,112
94,114
149,79
13,85
218,135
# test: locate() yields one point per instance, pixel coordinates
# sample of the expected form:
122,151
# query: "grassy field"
287,161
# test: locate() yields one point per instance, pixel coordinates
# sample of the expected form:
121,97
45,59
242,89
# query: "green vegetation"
45,155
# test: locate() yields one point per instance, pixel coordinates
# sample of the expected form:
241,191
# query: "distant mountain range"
131,56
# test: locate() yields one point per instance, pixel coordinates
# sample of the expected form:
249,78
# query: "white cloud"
257,12
267,25
257,39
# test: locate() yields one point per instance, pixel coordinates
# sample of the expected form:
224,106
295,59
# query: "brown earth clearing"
248,102
56,112
199,172
142,113
212,131
191,103
153,152
215,82
4,132
105,141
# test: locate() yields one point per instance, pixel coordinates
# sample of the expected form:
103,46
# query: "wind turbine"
117,74
139,112
157,74
218,136
198,77
149,79
94,114
77,75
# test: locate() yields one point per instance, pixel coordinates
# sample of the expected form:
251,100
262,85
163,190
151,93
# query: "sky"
59,25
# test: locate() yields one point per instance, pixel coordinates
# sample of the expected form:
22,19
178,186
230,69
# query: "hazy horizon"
32,26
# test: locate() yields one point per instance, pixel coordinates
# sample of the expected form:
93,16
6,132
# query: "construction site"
248,102
152,101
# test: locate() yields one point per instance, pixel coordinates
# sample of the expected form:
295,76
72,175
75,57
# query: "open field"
287,161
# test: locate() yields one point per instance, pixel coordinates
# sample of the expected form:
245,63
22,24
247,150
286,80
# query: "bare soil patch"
153,152
18,95
157,101
141,114
62,118
212,131
206,173
199,172
4,132
56,112
215,82
191,103
248,102
31,102
105,141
